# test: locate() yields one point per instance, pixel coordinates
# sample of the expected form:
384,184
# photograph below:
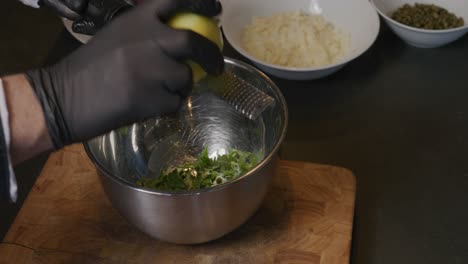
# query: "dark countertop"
397,117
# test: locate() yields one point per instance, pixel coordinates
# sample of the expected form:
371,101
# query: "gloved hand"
98,14
131,70
88,15
71,9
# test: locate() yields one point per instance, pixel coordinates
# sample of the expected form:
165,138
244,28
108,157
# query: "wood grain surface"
306,218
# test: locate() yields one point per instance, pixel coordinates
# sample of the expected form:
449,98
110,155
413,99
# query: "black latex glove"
99,13
71,9
131,70
88,15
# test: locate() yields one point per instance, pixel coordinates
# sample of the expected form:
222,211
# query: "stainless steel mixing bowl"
123,156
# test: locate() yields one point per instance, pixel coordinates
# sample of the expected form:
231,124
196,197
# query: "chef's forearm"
28,132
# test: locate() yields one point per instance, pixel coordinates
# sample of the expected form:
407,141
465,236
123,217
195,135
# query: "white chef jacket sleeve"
33,3
8,185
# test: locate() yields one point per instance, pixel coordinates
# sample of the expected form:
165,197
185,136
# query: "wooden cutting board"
307,218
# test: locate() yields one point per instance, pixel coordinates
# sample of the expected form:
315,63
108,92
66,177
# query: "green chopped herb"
123,130
203,172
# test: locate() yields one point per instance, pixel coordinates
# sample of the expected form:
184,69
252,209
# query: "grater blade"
241,95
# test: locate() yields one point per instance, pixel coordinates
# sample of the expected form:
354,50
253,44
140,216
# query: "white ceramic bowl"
423,38
357,18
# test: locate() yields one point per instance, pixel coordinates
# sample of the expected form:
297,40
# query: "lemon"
202,25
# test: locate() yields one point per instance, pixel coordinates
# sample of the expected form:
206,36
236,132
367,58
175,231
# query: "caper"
427,16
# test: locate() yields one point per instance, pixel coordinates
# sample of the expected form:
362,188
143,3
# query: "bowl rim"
415,29
340,62
258,167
